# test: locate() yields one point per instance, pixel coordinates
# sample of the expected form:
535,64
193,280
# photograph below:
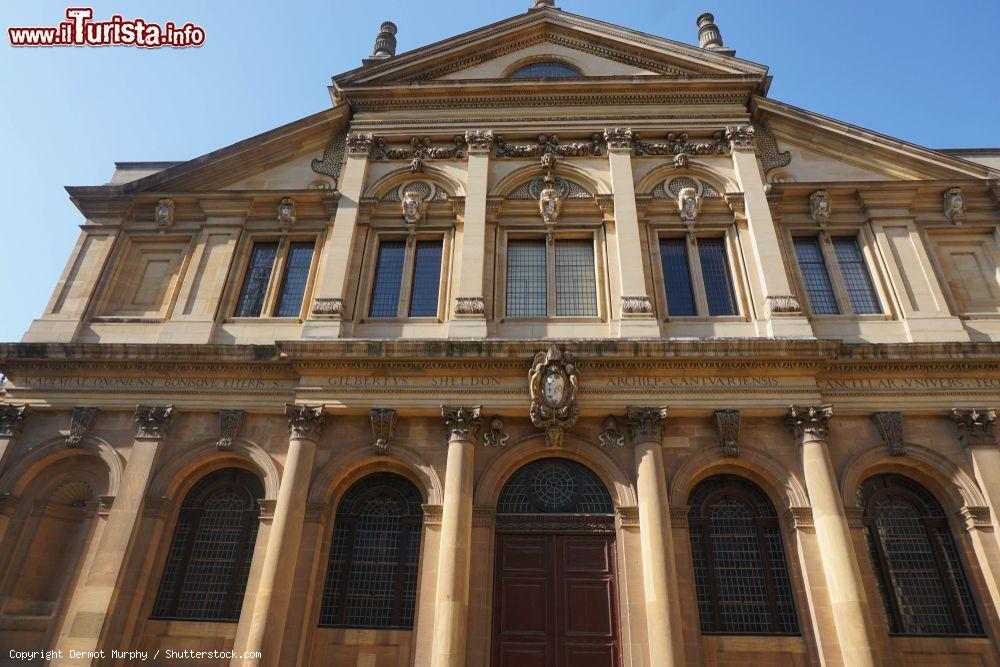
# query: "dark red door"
555,603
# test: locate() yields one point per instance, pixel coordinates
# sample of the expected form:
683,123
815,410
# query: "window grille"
815,276
920,577
527,292
857,280
677,276
426,279
293,286
576,287
388,279
741,575
554,486
371,578
546,69
208,564
258,275
715,273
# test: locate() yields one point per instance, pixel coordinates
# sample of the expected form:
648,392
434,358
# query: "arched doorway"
555,598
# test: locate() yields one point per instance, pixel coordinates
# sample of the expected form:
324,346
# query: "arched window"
740,572
916,564
554,486
371,579
209,560
547,68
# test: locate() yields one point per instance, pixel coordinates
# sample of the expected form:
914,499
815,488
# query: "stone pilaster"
11,418
93,600
469,308
274,588
452,597
327,311
810,427
659,575
976,432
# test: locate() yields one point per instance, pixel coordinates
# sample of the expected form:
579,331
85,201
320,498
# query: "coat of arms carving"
553,381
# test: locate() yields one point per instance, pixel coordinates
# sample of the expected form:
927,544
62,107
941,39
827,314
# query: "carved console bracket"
79,425
383,428
727,426
229,428
890,426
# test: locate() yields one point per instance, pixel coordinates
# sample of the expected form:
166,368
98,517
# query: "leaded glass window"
267,290
857,280
407,278
920,577
554,486
741,574
715,273
555,277
677,277
293,286
819,289
576,289
545,69
388,279
371,577
527,291
426,279
209,559
258,277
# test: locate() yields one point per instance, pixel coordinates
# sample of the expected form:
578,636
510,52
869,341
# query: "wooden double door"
555,601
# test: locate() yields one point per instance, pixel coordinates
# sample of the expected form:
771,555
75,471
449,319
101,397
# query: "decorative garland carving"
548,144
331,307
420,150
890,426
553,383
727,426
80,423
152,421
229,428
333,157
781,303
383,428
470,305
681,144
637,305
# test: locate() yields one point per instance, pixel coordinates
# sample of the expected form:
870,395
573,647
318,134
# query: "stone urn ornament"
553,382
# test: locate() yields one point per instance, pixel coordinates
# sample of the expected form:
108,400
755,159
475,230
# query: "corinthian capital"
740,137
479,141
305,421
11,417
809,422
620,139
360,143
975,426
152,421
645,424
463,423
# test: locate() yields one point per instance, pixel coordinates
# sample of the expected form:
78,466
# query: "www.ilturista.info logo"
79,30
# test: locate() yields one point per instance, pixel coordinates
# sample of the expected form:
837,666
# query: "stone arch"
544,58
534,447
397,177
695,168
182,472
783,488
337,476
566,169
949,483
37,459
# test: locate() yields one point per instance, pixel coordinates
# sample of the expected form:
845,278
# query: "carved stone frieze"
463,423
975,426
330,307
152,421
781,304
419,148
495,435
611,436
229,428
820,206
333,157
549,144
305,421
553,383
479,141
727,426
79,425
383,428
637,305
809,422
645,424
740,137
680,143
360,143
11,418
890,426
954,205
620,139
286,212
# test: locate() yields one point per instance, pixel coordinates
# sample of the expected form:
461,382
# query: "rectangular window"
576,287
527,291
822,299
388,279
426,279
715,274
293,285
857,280
258,277
677,276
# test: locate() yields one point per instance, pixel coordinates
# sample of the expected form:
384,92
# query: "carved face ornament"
549,203
819,205
954,204
413,207
688,204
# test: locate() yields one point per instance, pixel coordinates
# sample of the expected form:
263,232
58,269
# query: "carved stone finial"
954,205
727,425
152,421
740,137
542,4
414,206
611,436
164,214
709,36
645,424
550,202
286,212
383,427
975,426
79,425
360,143
809,422
820,206
229,428
688,205
890,425
463,423
11,417
385,42
479,141
553,383
495,435
620,139
305,421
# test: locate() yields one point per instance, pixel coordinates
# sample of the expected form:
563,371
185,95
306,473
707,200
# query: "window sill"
684,319
980,316
127,319
262,320
554,320
852,318
401,320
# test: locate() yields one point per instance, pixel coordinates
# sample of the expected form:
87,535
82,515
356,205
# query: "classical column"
663,627
809,424
451,614
779,309
274,588
326,317
636,308
11,418
469,309
93,599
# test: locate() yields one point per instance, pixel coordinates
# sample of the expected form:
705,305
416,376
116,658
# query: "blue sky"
912,69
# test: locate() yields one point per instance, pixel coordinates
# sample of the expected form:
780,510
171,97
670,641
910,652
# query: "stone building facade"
554,342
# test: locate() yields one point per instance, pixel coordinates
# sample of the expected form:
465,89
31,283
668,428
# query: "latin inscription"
909,384
153,383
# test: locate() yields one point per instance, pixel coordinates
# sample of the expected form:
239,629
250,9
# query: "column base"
786,326
467,329
639,327
322,329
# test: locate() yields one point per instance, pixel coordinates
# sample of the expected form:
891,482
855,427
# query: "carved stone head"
954,204
286,212
549,202
819,206
688,204
164,213
414,207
